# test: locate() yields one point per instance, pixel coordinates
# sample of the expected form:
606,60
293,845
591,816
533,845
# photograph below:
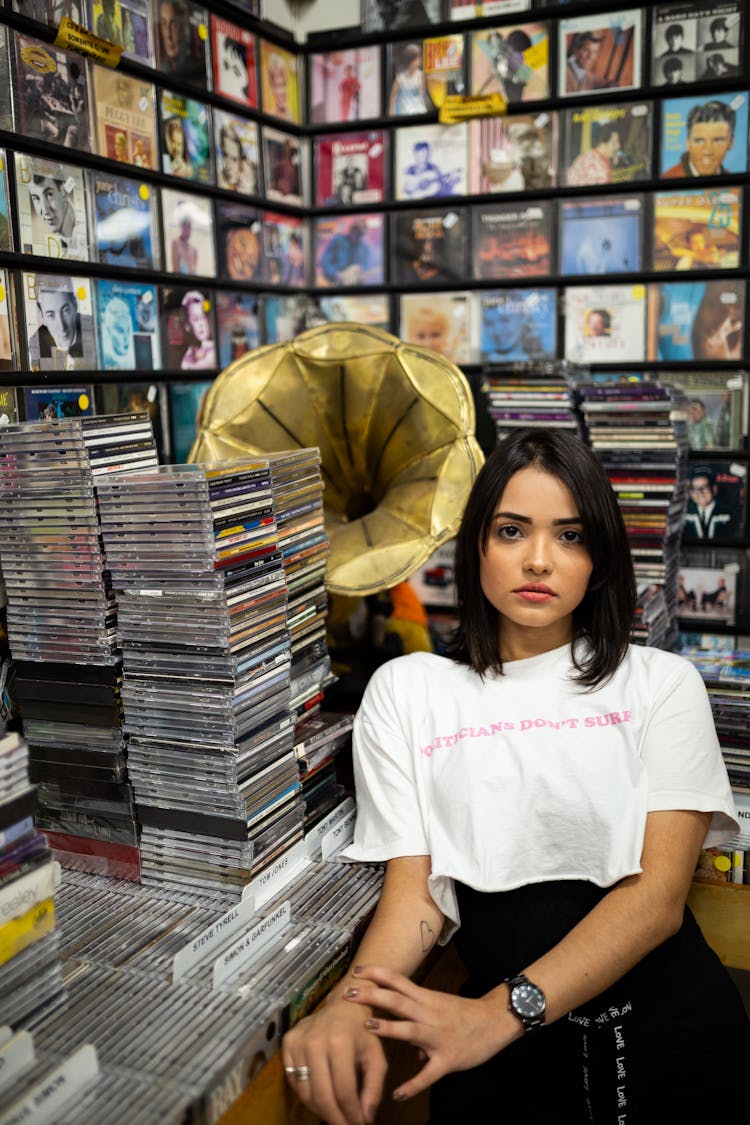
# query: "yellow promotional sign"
461,107
75,37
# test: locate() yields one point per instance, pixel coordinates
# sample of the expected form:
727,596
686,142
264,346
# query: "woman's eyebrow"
527,519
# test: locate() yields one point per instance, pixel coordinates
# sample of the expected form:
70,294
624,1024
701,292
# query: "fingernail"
351,992
372,1025
398,1095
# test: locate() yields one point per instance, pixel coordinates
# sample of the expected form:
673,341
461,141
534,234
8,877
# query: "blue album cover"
601,235
42,404
705,136
185,404
124,217
238,330
517,325
285,317
186,145
5,241
127,326
701,320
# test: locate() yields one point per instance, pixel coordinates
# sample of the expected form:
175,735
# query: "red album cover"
350,168
234,62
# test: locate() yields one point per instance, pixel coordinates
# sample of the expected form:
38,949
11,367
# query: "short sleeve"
682,756
389,818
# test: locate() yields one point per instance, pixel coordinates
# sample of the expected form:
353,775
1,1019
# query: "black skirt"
669,1042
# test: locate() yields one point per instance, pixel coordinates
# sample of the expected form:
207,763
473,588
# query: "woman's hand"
346,1064
452,1032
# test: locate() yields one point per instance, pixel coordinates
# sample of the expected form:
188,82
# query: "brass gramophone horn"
394,424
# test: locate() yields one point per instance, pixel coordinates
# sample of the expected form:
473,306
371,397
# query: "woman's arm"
347,1063
638,914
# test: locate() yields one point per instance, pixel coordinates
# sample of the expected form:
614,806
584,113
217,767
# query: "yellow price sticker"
202,31
2,292
144,192
84,401
81,293
638,292
462,107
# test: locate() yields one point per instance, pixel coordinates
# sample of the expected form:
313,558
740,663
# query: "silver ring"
302,1073
290,1070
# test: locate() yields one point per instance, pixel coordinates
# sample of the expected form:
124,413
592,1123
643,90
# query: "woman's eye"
570,535
509,531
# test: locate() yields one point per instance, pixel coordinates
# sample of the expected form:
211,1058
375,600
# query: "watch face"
528,1001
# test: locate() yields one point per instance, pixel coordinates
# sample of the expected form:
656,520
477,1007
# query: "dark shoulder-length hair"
605,616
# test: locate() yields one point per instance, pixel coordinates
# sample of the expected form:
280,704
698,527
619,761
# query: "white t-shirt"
527,777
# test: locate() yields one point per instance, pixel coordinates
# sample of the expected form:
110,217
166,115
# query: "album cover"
512,61
696,42
9,414
185,137
125,118
349,251
279,82
372,308
428,245
350,168
238,328
420,73
468,10
438,321
127,325
607,144
6,85
51,11
601,234
237,148
707,593
285,317
234,62
52,211
187,226
135,398
601,52
516,325
185,404
284,166
695,230
512,239
517,153
717,406
58,311
395,15
345,85
187,329
285,253
238,232
125,23
716,500
8,327
434,581
431,161
605,323
124,221
51,94
43,404
696,320
181,40
6,232
704,136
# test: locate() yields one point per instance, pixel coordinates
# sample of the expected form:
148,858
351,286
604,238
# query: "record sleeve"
188,230
516,325
605,323
6,86
428,245
284,166
345,85
6,231
279,82
126,23
234,65
349,251
185,405
238,232
696,42
42,404
512,239
127,325
395,15
187,329
439,321
51,94
607,144
58,312
8,326
468,10
601,235
50,11
696,320
601,52
237,149
285,251
8,406
716,500
431,161
350,168
370,309
707,593
124,222
420,72
704,136
237,324
512,61
696,229
185,137
51,200
125,118
285,317
517,153
181,40
716,407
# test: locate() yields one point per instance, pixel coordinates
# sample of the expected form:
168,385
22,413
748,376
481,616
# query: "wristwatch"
527,1001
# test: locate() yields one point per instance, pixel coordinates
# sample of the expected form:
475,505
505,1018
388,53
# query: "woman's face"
198,320
536,567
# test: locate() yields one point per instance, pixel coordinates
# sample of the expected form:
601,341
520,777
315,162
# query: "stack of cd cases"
62,628
194,556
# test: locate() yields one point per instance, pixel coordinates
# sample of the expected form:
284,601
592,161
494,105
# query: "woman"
545,795
408,92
